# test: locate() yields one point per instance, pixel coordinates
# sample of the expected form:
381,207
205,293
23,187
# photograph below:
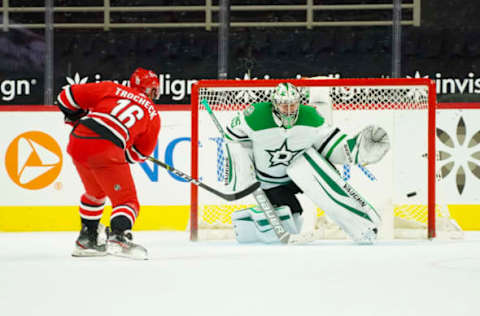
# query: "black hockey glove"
72,117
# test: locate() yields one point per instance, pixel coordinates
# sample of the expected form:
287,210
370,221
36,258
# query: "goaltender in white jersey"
290,149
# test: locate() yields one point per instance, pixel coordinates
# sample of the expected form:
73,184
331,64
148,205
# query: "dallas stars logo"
282,155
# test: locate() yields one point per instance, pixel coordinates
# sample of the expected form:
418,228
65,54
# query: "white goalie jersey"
272,147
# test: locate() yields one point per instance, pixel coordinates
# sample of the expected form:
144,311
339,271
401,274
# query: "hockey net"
401,186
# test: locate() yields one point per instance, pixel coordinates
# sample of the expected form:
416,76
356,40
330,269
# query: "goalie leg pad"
322,183
240,172
251,225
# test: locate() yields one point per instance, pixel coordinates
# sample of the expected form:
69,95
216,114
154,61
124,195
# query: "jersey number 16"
130,113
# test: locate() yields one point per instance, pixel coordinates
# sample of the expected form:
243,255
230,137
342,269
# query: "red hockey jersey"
123,115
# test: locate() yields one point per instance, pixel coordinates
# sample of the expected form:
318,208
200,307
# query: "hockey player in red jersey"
113,125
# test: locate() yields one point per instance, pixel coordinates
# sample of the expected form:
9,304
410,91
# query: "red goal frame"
432,105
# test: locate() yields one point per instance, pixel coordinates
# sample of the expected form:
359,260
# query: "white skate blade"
80,252
135,251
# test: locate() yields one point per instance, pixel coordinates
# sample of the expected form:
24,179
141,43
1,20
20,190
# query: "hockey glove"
72,118
372,143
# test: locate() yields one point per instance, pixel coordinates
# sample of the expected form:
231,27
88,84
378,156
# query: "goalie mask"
286,102
147,82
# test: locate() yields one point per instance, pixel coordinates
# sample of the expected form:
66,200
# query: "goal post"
405,181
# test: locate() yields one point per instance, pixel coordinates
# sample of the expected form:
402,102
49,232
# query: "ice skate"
120,244
90,242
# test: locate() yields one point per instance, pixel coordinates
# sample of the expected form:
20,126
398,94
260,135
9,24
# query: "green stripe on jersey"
330,151
261,118
352,142
308,116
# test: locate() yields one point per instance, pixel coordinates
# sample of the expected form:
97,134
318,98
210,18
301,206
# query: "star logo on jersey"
282,155
33,160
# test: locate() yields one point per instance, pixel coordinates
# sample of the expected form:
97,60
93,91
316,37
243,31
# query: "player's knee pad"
251,225
322,183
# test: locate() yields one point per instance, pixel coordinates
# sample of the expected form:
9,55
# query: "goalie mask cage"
401,186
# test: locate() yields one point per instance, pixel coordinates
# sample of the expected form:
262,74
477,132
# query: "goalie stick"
264,203
226,196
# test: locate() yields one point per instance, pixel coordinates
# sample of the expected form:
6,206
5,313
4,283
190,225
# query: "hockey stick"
226,196
264,203
214,118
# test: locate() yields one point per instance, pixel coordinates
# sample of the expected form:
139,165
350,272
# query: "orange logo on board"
33,160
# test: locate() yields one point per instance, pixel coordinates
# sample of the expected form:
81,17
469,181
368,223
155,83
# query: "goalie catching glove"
369,146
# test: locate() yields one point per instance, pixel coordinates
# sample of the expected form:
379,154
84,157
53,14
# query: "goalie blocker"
321,182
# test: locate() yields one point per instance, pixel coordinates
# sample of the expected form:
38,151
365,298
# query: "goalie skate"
121,245
91,243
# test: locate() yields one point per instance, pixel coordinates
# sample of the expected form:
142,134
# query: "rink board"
40,188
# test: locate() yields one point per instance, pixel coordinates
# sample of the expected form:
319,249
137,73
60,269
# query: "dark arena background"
105,40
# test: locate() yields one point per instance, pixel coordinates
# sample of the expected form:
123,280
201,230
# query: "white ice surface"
39,277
